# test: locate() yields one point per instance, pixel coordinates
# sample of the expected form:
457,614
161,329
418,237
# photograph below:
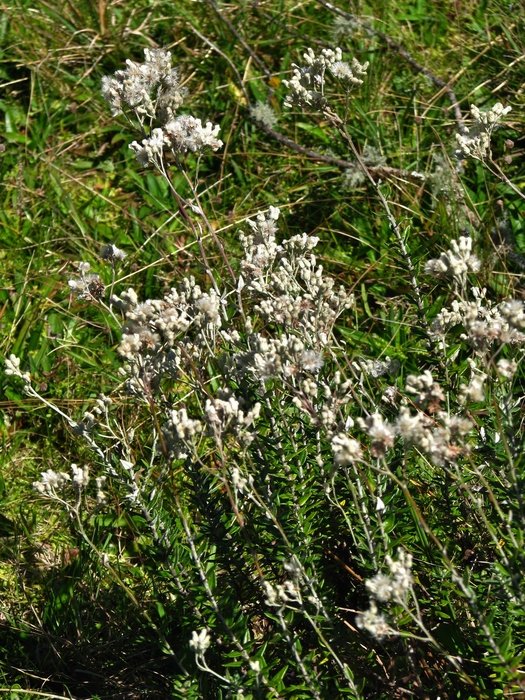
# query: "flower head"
200,641
475,142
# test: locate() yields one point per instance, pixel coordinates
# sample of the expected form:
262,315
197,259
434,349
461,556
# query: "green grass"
70,184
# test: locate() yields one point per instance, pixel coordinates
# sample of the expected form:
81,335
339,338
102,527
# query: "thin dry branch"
383,170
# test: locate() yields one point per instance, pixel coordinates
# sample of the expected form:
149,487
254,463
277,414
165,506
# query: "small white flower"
151,149
288,592
51,481
100,482
239,482
311,361
374,623
341,70
380,587
255,666
87,287
80,477
455,263
506,368
112,253
475,142
12,365
271,594
380,431
401,573
349,74
200,641
12,369
346,450
185,133
307,82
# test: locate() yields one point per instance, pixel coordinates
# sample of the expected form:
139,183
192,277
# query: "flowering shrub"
280,475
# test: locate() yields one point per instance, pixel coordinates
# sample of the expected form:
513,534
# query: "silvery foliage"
475,142
354,176
265,114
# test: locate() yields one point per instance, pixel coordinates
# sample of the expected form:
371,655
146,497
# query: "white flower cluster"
179,433
199,642
327,411
151,149
395,586
375,623
54,481
159,335
506,368
473,391
482,322
51,482
289,285
428,393
112,253
224,414
383,588
346,450
156,324
182,134
307,83
87,287
269,358
151,89
381,433
377,368
12,369
86,425
185,133
349,73
260,247
221,415
240,483
100,482
80,477
281,595
443,442
475,142
442,437
455,263
134,86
